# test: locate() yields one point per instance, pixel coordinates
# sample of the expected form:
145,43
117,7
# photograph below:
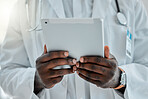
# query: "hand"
103,72
46,76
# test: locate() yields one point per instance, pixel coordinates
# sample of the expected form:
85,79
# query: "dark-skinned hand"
103,72
46,76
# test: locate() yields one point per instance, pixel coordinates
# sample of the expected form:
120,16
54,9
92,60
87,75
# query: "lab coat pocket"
39,40
118,42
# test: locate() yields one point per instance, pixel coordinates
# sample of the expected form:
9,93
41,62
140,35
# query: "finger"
106,52
94,68
95,60
52,55
52,85
89,74
51,82
96,82
45,49
59,62
74,68
61,72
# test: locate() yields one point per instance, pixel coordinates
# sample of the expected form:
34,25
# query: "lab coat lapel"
80,87
100,8
29,38
57,5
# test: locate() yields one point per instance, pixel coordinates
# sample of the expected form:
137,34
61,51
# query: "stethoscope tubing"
117,5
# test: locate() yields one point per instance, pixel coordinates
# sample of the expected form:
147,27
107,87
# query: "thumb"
106,52
45,49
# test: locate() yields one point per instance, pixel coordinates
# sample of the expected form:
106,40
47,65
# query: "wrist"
122,80
38,86
116,80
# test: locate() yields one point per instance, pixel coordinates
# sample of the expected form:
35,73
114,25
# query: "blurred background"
5,10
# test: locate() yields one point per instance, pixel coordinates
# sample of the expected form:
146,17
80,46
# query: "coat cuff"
136,76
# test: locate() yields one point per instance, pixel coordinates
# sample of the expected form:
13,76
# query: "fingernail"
81,59
66,53
106,52
45,49
77,64
74,61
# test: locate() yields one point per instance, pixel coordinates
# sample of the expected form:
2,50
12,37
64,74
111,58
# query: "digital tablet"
81,37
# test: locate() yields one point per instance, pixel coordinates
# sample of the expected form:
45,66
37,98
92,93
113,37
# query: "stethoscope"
120,16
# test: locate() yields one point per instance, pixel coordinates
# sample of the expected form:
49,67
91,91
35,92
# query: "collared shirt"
70,4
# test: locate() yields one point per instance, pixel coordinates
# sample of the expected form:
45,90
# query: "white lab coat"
21,49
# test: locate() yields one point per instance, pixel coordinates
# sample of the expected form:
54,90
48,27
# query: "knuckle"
60,54
59,79
56,54
82,65
54,81
88,75
98,59
86,59
52,54
49,54
97,77
38,60
55,61
112,63
68,72
93,67
69,61
51,73
103,69
60,72
79,70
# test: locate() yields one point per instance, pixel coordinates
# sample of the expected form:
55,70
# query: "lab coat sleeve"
137,72
16,76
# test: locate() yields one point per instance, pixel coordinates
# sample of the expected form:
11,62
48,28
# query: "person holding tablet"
28,68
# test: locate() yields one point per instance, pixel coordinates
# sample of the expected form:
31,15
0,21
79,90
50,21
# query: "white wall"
5,9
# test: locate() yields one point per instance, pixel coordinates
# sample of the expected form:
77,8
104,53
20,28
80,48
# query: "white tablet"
81,37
